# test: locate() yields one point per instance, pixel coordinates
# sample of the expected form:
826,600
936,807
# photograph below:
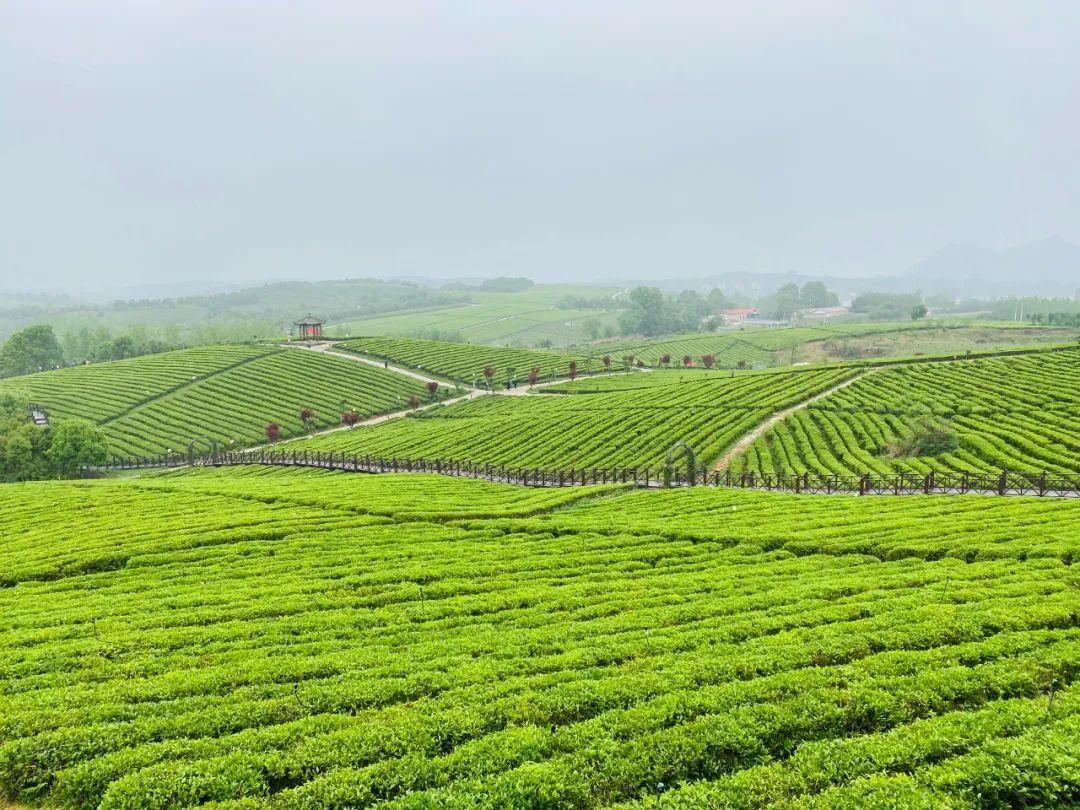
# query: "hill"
1049,266
1015,412
149,404
289,640
464,362
526,318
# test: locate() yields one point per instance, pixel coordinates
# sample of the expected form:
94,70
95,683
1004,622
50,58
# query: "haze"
172,142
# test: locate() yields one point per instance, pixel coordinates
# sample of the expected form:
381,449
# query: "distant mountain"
1051,261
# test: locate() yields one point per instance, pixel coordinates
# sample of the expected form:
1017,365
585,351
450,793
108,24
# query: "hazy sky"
227,140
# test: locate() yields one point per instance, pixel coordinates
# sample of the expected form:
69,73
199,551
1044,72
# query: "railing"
1000,483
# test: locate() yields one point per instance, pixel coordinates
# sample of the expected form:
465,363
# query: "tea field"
228,393
634,426
1017,413
304,639
466,362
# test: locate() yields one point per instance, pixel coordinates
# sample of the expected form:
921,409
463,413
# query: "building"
310,327
741,314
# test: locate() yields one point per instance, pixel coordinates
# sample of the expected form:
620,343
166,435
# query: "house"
741,314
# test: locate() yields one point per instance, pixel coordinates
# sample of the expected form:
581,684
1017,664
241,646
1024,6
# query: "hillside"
267,310
149,404
634,427
1048,266
1016,413
293,640
465,362
525,318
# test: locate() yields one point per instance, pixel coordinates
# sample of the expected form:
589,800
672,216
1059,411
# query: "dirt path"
740,446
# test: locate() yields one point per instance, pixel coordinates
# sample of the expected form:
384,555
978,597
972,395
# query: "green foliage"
287,639
33,349
886,306
77,444
815,294
918,312
927,437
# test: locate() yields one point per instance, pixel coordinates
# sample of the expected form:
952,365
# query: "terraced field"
301,640
228,393
1017,413
627,428
466,361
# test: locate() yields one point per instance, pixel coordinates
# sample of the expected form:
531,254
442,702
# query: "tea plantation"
267,638
624,426
226,393
1018,413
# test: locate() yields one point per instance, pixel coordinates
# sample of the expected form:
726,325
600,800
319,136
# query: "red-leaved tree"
489,371
306,414
573,369
665,359
707,360
414,401
607,361
534,375
349,417
687,361
432,388
273,430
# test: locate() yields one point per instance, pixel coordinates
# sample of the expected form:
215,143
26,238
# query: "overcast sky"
239,141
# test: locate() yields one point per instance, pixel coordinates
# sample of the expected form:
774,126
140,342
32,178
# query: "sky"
229,141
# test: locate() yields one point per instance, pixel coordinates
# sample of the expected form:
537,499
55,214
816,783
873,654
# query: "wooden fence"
1002,483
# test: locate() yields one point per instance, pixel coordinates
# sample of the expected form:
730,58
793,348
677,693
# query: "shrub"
928,437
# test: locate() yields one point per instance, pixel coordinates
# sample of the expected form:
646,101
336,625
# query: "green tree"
32,349
815,294
650,313
918,312
76,444
783,303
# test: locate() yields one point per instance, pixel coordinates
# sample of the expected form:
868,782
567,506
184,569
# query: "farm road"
740,446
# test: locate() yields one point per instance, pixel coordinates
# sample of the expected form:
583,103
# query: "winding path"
740,446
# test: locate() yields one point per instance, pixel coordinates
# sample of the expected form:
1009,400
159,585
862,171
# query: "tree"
31,349
687,361
76,444
707,360
350,417
273,431
782,304
534,375
414,401
489,371
573,369
814,294
650,313
665,359
918,312
606,360
432,388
